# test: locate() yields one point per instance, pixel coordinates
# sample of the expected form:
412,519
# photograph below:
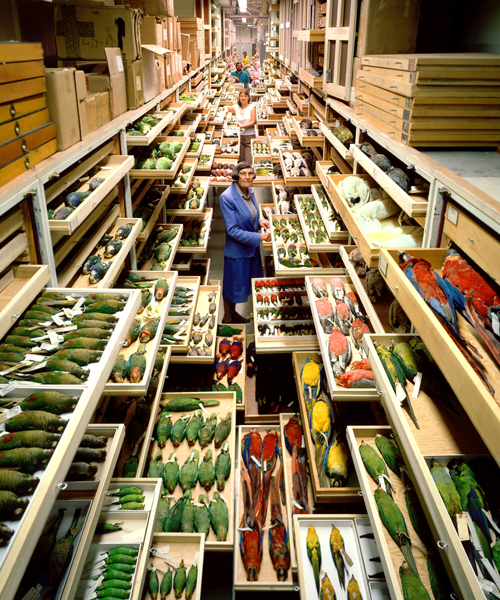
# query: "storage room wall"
243,40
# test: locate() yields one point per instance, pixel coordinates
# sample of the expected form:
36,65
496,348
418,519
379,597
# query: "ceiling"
254,9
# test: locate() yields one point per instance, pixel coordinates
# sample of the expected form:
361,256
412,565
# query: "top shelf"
311,35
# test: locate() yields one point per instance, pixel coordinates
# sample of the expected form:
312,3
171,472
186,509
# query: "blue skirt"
238,273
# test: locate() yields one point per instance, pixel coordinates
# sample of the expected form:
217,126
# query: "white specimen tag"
185,417
8,388
49,347
57,320
170,562
244,529
195,559
382,483
134,536
417,382
347,557
8,414
296,504
79,303
491,521
256,461
203,408
495,323
65,329
172,459
474,538
165,549
191,458
34,357
487,586
226,447
400,393
222,498
34,593
491,571
75,312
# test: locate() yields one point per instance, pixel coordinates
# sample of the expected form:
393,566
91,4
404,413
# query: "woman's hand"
265,236
264,223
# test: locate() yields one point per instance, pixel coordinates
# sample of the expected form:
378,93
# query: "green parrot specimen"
447,490
396,375
417,516
314,553
374,465
390,453
413,588
458,467
472,504
407,358
438,578
393,519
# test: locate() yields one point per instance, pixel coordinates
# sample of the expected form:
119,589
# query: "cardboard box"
149,74
168,71
191,23
194,54
63,106
81,94
100,28
91,110
152,31
109,77
185,46
133,80
170,33
160,74
177,34
103,112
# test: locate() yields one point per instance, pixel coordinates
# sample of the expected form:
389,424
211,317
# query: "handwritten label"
452,214
12,412
382,265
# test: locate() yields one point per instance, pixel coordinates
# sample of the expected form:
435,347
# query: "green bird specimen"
472,504
163,429
447,491
130,467
187,521
394,522
458,467
180,580
438,578
161,515
413,588
417,517
156,466
219,517
314,553
222,467
61,553
173,521
207,430
397,378
181,404
171,473
390,453
336,548
166,584
206,472
222,430
326,591
153,583
193,427
189,471
374,464
191,582
178,431
407,358
202,516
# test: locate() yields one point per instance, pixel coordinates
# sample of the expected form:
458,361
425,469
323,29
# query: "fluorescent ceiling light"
243,5
244,20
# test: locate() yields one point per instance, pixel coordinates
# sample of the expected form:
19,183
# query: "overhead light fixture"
244,20
243,5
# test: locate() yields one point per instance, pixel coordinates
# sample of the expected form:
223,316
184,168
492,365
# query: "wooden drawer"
344,152
207,217
173,201
474,397
314,82
146,232
312,244
174,243
198,138
21,126
304,139
194,284
164,173
209,151
298,181
182,188
22,89
22,164
20,108
145,140
25,143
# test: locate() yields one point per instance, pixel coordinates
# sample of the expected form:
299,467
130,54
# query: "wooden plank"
12,250
22,164
473,77
10,224
411,62
19,108
15,52
22,89
19,146
16,71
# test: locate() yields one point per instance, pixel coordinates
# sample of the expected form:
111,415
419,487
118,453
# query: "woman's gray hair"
235,175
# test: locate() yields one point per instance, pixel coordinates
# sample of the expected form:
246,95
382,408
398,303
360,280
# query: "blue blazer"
242,232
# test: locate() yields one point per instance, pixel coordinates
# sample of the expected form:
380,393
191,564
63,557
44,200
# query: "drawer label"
382,265
452,214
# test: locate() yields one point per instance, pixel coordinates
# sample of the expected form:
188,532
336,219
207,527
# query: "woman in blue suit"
242,259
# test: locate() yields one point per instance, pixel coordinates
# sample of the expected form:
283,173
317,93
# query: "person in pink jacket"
256,73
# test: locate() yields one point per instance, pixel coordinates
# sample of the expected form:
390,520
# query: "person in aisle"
246,59
242,260
246,115
256,73
241,75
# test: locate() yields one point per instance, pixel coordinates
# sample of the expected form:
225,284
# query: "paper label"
417,382
463,530
138,83
256,461
400,393
8,414
35,357
119,63
452,214
34,593
495,323
57,320
134,536
347,557
8,388
487,586
203,408
80,300
49,347
382,265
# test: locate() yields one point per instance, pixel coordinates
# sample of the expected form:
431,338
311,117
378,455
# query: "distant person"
246,115
241,75
246,59
256,73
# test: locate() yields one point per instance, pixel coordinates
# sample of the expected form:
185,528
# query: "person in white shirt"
246,115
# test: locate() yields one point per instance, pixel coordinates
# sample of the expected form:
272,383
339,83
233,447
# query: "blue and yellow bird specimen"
337,547
311,381
314,553
320,422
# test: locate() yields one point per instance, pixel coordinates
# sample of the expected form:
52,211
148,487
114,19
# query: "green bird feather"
166,584
202,516
153,583
413,588
394,522
417,517
407,358
374,464
314,553
219,517
189,471
438,578
447,491
180,580
462,469
156,466
495,551
171,473
396,375
390,453
192,578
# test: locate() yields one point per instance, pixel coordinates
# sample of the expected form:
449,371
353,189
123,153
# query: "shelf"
164,173
482,409
194,284
306,140
145,140
206,216
336,143
204,183
311,35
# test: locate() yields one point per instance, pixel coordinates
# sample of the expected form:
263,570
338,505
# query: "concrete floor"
477,166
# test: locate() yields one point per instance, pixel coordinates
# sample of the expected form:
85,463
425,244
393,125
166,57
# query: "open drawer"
182,183
196,232
206,157
112,169
344,152
414,205
19,287
333,223
140,201
177,205
146,139
322,494
182,317
177,109
369,249
148,263
239,381
338,389
316,235
481,407
176,161
305,139
299,180
198,140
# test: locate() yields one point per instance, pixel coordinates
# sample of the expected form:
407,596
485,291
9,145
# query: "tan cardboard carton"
62,103
91,109
103,111
152,31
160,74
133,80
109,77
149,69
81,94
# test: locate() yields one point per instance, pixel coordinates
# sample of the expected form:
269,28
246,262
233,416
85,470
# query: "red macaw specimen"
251,450
340,351
251,538
270,446
279,543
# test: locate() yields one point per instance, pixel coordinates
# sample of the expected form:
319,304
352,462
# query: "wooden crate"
151,348
174,243
323,526
338,392
72,274
267,579
18,288
145,140
201,307
313,245
112,170
227,405
182,348
476,400
164,173
281,343
413,205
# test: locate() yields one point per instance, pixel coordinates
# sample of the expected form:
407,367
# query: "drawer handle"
394,287
12,111
360,493
380,392
470,240
27,162
24,146
62,486
17,129
442,545
16,316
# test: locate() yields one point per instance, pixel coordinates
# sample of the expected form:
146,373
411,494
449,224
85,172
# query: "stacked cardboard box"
193,27
27,135
432,99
